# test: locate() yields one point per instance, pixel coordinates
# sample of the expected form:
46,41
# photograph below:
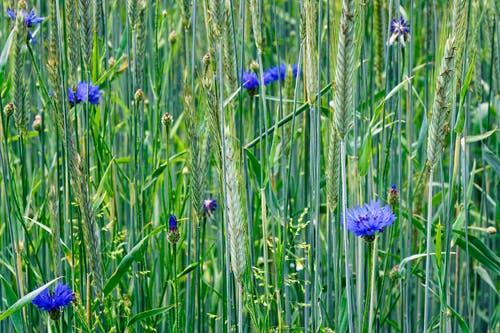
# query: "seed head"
139,95
393,197
394,273
9,109
254,66
206,60
37,123
173,231
167,119
172,37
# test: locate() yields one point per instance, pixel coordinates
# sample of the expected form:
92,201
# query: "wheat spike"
77,171
343,96
236,220
439,125
332,170
19,87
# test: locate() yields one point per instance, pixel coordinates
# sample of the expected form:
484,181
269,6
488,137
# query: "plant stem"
373,266
346,241
428,251
240,307
370,289
176,300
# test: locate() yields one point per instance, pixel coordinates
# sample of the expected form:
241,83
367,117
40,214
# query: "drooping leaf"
127,261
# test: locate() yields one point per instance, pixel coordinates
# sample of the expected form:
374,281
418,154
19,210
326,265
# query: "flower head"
173,231
274,74
250,82
167,119
209,207
85,92
393,196
367,220
9,109
53,302
295,70
30,19
400,31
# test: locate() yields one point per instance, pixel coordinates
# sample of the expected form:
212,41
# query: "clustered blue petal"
274,74
30,19
209,207
295,70
85,92
11,14
250,81
400,31
172,223
54,302
371,218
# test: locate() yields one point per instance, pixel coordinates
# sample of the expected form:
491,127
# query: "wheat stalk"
72,38
343,109
85,12
459,26
379,34
439,123
257,32
19,85
438,130
77,171
236,220
228,50
343,97
310,51
332,170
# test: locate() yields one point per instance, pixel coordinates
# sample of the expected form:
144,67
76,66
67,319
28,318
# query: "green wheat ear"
343,96
439,123
19,85
333,169
235,215
310,51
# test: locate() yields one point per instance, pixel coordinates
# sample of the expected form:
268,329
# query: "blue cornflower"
30,19
295,70
85,92
54,302
367,220
173,235
274,74
172,223
250,81
400,31
209,207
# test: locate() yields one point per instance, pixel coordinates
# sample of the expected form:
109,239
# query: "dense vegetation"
190,165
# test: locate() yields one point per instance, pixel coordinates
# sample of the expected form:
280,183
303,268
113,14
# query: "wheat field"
249,166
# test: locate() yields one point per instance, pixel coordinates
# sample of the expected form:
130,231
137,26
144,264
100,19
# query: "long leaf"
25,300
147,314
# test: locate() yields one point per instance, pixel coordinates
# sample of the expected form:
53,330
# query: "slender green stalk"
428,254
368,311
372,283
176,288
343,181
